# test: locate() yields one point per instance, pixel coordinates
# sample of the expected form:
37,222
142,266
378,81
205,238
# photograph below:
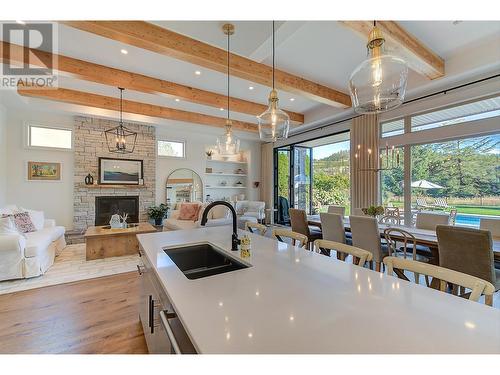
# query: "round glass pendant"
378,84
274,123
228,144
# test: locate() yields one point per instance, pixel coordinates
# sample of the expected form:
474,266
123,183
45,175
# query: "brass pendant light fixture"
229,144
274,123
120,140
378,84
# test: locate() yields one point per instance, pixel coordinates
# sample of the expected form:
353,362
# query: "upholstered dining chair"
332,226
492,225
366,236
429,220
339,210
477,285
295,237
468,250
255,227
359,256
298,219
357,212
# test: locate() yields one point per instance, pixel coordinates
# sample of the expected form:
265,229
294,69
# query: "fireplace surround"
105,206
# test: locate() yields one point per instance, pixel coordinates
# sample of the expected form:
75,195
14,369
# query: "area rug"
71,266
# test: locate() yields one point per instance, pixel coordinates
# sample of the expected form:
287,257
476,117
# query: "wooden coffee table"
104,242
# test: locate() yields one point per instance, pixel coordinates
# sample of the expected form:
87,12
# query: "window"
391,184
391,128
174,149
463,174
40,136
478,110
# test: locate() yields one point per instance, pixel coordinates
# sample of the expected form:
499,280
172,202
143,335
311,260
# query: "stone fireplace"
90,144
106,206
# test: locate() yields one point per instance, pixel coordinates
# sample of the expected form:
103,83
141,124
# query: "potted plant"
158,213
373,211
209,154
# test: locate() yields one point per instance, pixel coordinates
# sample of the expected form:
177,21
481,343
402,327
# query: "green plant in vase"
158,213
373,211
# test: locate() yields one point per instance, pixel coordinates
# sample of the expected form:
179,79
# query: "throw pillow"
37,217
189,211
7,225
23,222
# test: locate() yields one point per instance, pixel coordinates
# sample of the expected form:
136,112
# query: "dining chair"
393,211
359,256
332,226
298,219
468,250
357,212
389,220
407,242
452,219
477,285
366,235
493,225
339,210
429,220
255,227
280,234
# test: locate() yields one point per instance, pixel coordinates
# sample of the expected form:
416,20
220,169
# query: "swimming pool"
471,220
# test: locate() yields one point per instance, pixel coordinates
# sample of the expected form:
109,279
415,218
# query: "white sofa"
246,210
217,216
30,254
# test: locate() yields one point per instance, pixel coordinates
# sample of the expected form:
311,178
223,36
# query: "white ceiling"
322,51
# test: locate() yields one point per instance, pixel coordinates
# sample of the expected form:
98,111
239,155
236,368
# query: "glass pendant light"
229,144
378,84
120,140
273,123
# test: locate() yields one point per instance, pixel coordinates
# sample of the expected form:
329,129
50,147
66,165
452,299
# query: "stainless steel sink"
202,260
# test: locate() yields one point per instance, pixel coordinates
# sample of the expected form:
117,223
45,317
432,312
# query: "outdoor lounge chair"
421,203
440,203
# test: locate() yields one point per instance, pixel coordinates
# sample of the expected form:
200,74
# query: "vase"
159,221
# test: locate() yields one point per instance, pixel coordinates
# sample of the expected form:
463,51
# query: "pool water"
470,220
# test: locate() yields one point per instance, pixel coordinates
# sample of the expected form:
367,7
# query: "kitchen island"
291,300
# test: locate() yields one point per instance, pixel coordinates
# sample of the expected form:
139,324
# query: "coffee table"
104,242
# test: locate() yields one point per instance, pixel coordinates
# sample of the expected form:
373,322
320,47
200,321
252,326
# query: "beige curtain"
364,184
267,175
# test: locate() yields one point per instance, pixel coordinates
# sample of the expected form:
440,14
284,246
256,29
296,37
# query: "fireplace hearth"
107,206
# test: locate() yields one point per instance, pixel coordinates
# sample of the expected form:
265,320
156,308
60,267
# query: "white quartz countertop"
295,301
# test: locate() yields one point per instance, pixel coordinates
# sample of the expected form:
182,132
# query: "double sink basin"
202,260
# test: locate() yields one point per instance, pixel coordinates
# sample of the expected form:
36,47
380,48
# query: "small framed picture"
208,170
43,171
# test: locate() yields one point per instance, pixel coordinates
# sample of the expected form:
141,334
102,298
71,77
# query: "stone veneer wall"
89,145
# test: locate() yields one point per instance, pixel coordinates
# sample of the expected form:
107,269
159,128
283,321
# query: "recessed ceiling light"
292,99
221,109
197,72
250,87
124,51
177,100
21,22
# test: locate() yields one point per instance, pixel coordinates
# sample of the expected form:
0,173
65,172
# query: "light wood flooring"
93,316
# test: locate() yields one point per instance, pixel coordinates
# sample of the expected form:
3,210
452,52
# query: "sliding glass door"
302,184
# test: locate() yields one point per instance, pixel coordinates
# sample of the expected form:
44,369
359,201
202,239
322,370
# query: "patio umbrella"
424,184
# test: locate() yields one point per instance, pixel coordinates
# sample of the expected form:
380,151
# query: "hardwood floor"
97,316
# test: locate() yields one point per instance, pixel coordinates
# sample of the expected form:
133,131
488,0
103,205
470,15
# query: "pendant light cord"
273,54
228,75
121,106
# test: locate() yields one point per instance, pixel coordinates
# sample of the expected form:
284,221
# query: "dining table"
423,237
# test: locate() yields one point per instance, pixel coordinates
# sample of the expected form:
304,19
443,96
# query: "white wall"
196,144
54,198
3,156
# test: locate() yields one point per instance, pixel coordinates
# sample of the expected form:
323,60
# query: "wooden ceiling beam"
13,53
163,41
420,58
111,103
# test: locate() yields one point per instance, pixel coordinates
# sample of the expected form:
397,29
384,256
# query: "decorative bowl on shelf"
223,183
239,183
240,171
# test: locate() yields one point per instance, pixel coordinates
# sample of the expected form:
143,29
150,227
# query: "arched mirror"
184,185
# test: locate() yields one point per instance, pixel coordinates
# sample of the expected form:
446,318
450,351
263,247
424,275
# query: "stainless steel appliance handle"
164,320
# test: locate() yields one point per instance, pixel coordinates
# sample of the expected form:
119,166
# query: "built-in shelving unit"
230,172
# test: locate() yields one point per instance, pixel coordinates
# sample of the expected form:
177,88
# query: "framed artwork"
43,171
120,171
